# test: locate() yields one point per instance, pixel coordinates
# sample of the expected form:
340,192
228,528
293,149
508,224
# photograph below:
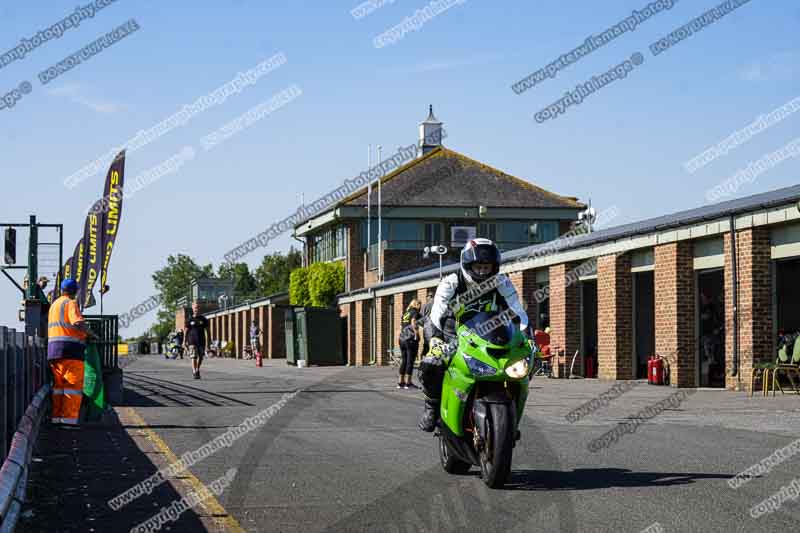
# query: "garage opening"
709,263
785,241
644,310
711,327
588,351
644,321
787,295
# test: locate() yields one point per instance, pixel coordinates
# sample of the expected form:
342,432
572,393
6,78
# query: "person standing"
255,335
196,338
409,344
179,342
67,331
427,325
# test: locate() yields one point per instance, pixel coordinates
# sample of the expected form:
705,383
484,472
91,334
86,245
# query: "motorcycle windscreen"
494,327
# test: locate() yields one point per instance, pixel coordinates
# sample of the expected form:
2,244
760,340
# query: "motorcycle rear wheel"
497,451
450,463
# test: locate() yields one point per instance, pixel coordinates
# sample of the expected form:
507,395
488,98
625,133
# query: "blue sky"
624,145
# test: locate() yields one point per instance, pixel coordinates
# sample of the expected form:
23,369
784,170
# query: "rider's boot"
430,415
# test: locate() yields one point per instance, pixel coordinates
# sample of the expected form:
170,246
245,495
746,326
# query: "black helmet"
479,251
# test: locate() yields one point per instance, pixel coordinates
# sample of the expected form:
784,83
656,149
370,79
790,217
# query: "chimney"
430,133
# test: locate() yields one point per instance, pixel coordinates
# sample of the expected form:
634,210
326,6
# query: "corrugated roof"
682,218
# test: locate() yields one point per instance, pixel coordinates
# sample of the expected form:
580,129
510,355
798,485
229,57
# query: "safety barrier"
23,372
14,472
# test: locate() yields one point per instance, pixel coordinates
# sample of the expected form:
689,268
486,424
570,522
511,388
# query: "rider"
482,288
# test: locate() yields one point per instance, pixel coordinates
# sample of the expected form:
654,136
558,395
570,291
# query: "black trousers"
408,349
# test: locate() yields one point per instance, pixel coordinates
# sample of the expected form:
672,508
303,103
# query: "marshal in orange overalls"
66,343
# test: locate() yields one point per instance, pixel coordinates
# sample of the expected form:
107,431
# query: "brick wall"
756,341
675,311
525,283
614,317
355,259
565,326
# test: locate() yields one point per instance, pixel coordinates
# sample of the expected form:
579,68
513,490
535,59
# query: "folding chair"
789,367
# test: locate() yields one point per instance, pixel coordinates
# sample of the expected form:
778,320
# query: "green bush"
325,281
298,287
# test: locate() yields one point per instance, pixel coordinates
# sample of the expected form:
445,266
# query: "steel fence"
106,327
23,371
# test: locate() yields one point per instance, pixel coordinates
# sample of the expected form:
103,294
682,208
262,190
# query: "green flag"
93,392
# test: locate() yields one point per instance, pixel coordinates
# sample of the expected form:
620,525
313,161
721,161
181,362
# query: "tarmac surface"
344,454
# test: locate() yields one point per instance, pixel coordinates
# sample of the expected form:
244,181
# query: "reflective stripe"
66,339
73,421
55,420
73,392
58,391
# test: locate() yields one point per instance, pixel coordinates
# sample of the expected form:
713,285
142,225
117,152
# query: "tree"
298,287
325,281
172,283
244,284
272,276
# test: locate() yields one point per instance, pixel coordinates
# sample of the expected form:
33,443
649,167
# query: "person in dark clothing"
427,325
179,342
409,344
196,338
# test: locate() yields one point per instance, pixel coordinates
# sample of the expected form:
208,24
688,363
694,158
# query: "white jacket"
446,293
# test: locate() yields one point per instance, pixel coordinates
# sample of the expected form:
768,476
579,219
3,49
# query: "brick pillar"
344,312
399,309
351,334
615,317
381,330
361,338
675,314
525,283
756,341
565,324
231,336
261,318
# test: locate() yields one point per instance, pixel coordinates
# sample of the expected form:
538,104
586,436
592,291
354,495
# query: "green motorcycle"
483,397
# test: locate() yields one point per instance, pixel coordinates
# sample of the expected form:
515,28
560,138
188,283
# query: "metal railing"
23,371
106,327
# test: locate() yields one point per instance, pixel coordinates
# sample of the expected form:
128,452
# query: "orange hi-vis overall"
66,344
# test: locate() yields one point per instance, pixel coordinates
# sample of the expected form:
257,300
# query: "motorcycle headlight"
479,368
519,369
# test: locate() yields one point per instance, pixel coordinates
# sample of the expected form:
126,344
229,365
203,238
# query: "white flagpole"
380,224
369,203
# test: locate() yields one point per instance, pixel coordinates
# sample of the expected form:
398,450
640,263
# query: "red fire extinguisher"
655,371
259,360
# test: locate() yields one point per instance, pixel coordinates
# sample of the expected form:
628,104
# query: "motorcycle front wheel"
497,451
451,463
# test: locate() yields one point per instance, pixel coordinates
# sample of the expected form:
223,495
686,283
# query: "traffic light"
11,246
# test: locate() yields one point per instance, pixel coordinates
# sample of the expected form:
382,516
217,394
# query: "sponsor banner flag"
112,212
76,266
92,254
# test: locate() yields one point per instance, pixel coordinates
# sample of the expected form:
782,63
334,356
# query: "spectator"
196,336
409,344
255,336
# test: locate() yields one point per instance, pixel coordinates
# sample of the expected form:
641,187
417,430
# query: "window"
373,226
405,235
546,230
513,235
329,245
487,230
433,234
